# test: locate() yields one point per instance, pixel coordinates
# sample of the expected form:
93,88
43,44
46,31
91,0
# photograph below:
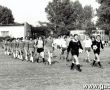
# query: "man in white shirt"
87,44
63,47
40,49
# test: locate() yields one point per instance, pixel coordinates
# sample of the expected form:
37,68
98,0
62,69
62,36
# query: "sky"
33,11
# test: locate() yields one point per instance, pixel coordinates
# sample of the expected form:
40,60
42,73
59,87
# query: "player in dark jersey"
5,47
35,46
2,44
31,50
40,49
96,46
11,48
14,48
75,47
26,48
8,46
17,48
21,49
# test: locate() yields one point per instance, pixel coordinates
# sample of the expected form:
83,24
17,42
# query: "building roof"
12,25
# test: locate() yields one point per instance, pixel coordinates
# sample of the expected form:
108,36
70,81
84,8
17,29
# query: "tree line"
6,16
65,15
103,13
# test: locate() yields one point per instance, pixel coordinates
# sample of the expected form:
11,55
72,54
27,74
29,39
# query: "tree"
88,12
103,14
6,16
88,25
64,15
78,15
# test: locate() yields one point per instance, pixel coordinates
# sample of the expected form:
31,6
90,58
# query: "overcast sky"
32,11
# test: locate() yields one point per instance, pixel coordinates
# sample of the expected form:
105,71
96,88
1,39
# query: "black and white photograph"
54,44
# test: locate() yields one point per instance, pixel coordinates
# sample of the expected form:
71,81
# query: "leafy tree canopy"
103,14
6,16
64,15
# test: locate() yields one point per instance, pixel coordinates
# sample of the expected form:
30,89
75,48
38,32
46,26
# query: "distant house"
15,30
99,32
81,33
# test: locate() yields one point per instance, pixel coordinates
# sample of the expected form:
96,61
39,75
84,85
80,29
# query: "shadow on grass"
75,65
54,56
53,62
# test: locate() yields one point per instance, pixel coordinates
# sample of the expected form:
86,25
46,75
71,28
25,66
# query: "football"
94,47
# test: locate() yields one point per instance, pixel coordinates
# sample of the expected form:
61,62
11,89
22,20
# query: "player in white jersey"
26,48
21,49
40,49
59,43
87,44
63,47
31,50
35,45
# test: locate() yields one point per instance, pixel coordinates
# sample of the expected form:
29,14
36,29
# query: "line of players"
75,47
24,49
29,49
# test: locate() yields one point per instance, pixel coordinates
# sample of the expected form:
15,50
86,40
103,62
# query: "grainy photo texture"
54,44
